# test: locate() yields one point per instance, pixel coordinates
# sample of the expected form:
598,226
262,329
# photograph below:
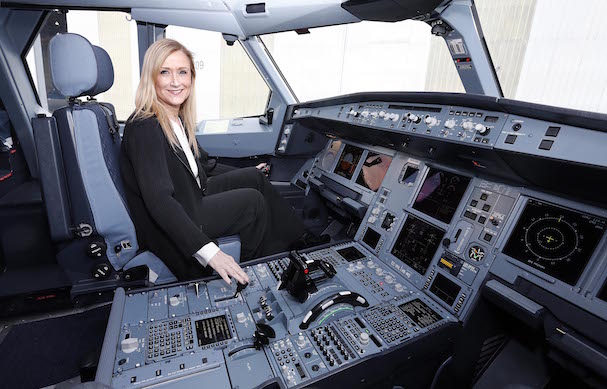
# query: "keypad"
169,338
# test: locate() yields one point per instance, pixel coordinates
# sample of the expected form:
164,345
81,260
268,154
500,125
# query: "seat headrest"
78,68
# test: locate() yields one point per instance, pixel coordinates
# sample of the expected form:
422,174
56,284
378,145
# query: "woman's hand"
264,168
226,267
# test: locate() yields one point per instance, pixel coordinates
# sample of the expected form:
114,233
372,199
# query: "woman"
176,208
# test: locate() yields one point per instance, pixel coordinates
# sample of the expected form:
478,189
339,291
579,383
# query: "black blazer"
163,197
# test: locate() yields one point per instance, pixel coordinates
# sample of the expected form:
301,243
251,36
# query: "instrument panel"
430,236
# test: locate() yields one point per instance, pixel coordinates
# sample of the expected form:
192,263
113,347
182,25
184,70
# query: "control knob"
174,301
379,271
129,345
375,211
389,279
372,219
301,341
415,119
399,288
364,113
431,121
481,130
374,114
394,117
450,123
382,114
468,126
353,113
241,317
364,338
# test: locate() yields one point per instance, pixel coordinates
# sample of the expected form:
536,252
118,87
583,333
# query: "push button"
546,144
553,131
510,139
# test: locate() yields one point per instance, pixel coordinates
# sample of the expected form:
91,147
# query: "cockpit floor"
46,352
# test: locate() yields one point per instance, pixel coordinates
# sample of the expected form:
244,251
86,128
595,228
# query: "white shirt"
209,250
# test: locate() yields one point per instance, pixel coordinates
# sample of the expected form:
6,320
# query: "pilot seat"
78,149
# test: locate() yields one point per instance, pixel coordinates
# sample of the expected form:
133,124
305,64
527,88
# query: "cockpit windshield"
365,56
543,54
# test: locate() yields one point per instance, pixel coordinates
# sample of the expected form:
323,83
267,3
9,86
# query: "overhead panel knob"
374,114
450,123
364,113
382,114
394,117
431,121
481,130
468,126
415,119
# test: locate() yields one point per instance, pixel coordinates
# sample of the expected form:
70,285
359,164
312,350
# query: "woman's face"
174,80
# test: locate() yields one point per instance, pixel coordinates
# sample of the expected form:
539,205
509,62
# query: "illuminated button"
241,317
510,139
486,207
473,203
484,196
488,237
372,219
482,219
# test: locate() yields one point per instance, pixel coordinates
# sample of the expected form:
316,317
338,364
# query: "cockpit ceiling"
391,10
252,17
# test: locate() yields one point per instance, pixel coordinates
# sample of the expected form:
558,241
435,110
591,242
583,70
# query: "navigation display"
420,313
555,240
348,161
373,171
440,194
417,243
212,330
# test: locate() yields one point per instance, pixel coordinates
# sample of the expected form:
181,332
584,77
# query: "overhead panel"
390,10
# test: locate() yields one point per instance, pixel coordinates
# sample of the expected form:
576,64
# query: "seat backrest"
90,145
89,148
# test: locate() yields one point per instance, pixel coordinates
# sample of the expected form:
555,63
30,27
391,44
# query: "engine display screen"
555,240
212,330
417,243
440,194
371,238
445,289
348,161
374,170
351,254
420,313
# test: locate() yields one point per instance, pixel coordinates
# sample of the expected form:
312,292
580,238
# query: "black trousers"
244,202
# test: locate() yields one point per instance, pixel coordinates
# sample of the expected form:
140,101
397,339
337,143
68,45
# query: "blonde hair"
147,103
